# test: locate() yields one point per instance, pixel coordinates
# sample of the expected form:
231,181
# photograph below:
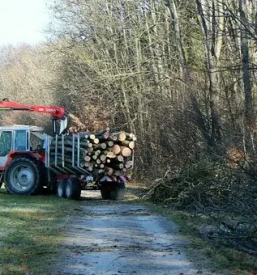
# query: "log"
90,150
66,149
67,163
68,166
120,158
116,149
97,152
110,155
126,152
100,146
87,164
94,157
90,168
110,143
102,158
87,158
95,140
70,143
122,136
92,136
113,137
130,144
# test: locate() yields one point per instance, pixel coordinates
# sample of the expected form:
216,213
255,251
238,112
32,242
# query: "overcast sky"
22,21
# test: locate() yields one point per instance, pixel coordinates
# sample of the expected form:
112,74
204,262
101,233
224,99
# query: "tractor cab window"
21,140
5,143
36,140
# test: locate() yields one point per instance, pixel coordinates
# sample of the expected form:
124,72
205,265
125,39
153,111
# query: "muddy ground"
125,237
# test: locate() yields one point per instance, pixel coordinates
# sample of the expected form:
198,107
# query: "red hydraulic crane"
57,113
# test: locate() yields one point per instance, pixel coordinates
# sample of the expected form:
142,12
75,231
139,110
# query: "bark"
186,75
210,44
249,110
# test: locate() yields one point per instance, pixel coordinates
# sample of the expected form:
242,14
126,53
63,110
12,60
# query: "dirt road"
122,238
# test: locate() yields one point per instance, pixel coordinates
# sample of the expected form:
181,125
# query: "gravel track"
122,238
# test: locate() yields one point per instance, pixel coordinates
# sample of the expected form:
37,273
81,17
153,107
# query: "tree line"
180,74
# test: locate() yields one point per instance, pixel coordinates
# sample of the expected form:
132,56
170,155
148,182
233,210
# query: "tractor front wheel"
23,176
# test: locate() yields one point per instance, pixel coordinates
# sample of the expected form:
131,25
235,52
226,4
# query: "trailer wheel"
61,188
118,191
113,191
51,182
73,189
23,176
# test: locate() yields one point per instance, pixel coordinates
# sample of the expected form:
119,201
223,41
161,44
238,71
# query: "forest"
179,74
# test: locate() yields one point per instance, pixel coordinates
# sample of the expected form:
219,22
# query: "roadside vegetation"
215,205
216,256
31,231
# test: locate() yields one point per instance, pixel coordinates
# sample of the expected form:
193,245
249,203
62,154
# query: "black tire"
51,182
118,191
22,176
112,191
73,189
61,188
106,194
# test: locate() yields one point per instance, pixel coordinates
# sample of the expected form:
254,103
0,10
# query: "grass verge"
31,229
219,259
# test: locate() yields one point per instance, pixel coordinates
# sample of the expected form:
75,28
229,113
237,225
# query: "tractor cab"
19,138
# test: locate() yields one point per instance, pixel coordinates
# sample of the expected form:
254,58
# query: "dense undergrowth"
226,195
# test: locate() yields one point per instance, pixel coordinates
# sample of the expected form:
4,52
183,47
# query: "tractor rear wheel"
22,176
73,189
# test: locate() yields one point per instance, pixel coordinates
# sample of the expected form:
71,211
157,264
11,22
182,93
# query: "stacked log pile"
101,153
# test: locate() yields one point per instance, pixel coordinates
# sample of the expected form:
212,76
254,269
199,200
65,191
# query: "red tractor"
25,159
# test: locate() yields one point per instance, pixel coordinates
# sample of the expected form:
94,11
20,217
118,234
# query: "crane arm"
57,113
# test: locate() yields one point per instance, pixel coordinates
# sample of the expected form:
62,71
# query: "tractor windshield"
21,140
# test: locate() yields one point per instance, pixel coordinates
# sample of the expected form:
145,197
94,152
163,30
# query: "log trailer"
31,160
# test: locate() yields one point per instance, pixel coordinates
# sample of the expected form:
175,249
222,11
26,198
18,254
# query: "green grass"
31,229
219,259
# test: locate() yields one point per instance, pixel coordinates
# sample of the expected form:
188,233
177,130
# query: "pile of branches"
194,186
225,194
101,153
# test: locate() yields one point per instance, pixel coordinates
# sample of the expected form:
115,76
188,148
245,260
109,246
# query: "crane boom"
54,111
57,113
